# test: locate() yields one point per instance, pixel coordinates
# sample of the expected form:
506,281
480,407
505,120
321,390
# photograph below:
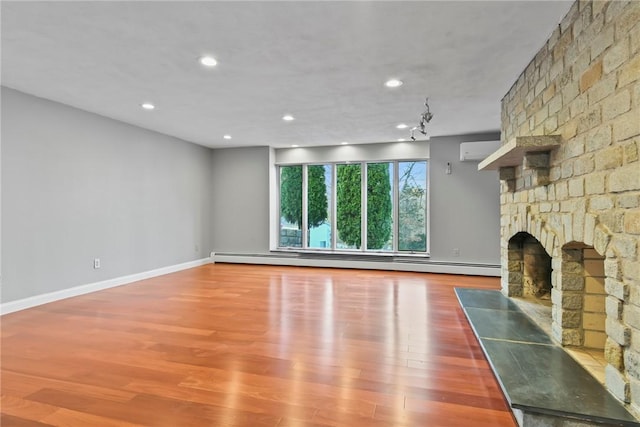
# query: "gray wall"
465,206
240,210
77,186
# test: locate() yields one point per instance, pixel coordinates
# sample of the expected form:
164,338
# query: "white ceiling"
323,62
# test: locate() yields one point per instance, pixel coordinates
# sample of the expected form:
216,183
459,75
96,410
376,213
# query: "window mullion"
427,217
304,225
278,201
363,206
395,208
334,209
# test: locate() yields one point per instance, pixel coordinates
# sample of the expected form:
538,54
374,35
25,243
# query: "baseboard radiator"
366,262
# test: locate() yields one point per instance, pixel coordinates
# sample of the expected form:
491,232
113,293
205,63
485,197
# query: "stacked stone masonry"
290,238
581,201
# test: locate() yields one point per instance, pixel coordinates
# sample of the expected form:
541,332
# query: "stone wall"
290,238
584,85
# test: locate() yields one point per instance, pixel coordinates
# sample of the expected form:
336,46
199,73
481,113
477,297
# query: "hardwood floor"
239,345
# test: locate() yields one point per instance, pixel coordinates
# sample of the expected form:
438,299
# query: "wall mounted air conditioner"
477,151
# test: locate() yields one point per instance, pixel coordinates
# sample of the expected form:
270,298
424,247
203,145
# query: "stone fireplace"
570,187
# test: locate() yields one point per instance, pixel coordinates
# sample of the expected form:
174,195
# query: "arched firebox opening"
529,268
579,313
581,307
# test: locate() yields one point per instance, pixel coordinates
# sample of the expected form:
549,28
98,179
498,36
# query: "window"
349,206
380,206
319,184
363,206
412,206
291,206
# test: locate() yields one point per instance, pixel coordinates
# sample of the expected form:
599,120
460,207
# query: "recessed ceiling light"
402,126
288,118
294,145
227,137
344,143
208,61
148,106
401,140
393,83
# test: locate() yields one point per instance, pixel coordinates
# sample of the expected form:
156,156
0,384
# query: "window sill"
350,254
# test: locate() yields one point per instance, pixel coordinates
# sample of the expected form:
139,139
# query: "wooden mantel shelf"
512,153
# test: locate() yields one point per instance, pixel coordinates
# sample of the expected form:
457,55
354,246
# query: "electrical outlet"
96,263
196,248
456,251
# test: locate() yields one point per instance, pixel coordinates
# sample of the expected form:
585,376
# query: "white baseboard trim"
421,267
22,304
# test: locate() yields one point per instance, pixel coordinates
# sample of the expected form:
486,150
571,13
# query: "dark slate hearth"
505,325
536,375
485,299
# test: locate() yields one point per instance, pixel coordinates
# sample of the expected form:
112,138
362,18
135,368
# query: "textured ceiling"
323,62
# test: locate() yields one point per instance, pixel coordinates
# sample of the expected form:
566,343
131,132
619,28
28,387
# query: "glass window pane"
291,206
379,206
318,206
349,206
412,209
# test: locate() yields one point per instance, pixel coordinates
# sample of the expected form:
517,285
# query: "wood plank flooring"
238,345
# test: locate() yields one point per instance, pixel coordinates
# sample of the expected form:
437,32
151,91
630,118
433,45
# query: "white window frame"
332,200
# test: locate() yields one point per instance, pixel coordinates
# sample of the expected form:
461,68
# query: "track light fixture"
424,119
